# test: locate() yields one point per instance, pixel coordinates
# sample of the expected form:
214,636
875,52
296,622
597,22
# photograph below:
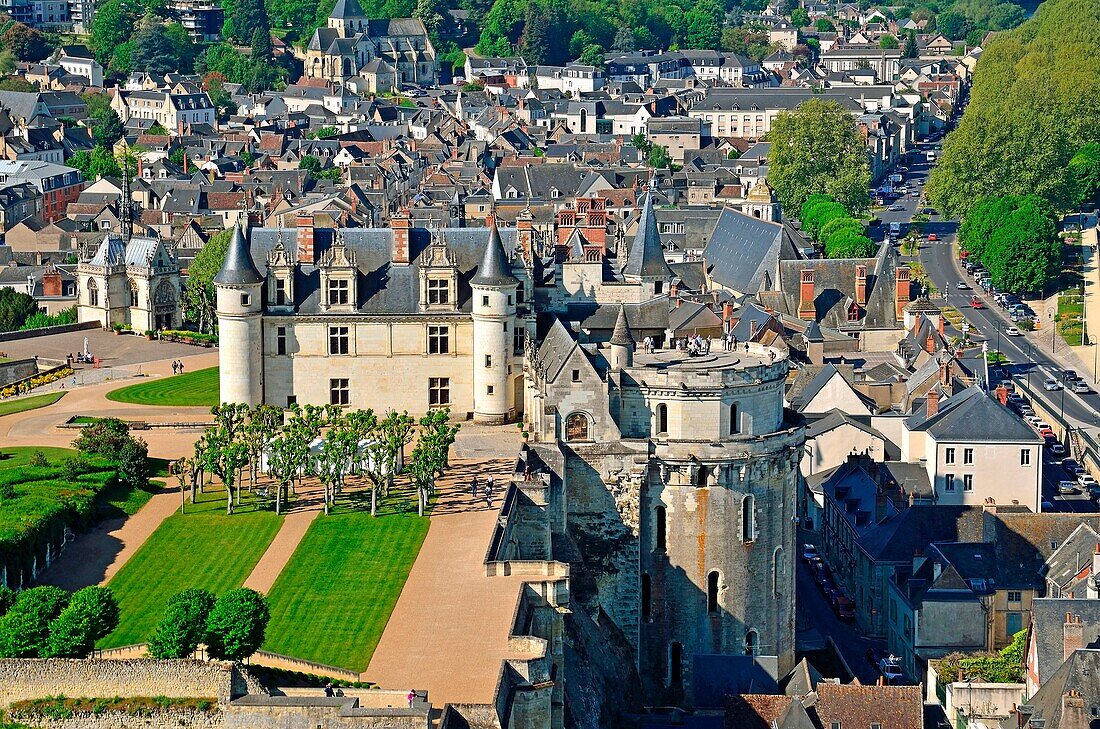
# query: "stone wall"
255,712
175,718
18,369
27,678
46,331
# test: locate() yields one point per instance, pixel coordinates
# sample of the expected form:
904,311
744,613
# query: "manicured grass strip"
333,600
202,548
10,407
191,389
18,456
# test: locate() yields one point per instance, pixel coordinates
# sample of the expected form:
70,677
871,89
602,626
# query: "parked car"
1067,487
1069,375
1081,387
1043,425
890,668
844,608
1069,465
1086,481
896,208
821,575
1012,331
809,554
1057,449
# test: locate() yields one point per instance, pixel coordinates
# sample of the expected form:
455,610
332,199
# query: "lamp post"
1053,327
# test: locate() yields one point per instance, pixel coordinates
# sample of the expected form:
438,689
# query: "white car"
1051,385
962,286
1012,332
1086,481
890,668
1067,487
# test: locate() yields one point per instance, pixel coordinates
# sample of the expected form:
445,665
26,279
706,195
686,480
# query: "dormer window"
439,291
339,292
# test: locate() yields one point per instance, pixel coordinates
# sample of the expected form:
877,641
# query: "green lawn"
202,548
333,599
10,407
192,389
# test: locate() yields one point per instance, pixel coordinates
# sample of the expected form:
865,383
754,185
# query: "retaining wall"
46,331
175,718
16,370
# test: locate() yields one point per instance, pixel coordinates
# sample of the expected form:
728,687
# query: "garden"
191,389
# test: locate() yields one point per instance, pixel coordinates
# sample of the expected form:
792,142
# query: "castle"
671,477
387,53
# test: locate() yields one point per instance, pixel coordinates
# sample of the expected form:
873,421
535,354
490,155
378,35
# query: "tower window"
662,419
661,527
484,300
488,360
246,300
133,294
439,340
752,643
748,519
489,390
439,391
647,597
576,376
712,592
675,663
439,291
576,427
93,292
338,340
280,340
734,426
339,391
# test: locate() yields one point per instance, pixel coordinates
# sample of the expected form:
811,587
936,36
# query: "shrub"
91,614
183,626
7,599
38,459
104,437
133,463
74,467
237,624
24,630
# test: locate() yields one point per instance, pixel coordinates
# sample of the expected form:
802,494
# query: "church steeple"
126,210
646,260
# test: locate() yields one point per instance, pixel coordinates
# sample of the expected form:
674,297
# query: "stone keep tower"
494,315
240,328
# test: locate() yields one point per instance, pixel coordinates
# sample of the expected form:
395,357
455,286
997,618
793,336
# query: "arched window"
675,663
576,427
712,592
133,293
777,557
701,474
660,527
647,596
748,519
93,292
752,643
662,418
584,121
734,425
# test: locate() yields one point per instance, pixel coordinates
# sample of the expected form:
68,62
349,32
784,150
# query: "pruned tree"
237,624
225,452
92,613
183,626
429,457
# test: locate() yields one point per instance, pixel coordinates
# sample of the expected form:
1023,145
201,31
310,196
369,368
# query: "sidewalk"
1090,272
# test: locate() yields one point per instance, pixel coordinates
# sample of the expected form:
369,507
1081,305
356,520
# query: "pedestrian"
489,484
74,380
328,690
473,487
526,472
181,366
411,697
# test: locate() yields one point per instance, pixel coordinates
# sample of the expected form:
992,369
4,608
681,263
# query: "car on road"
933,237
1012,331
1081,387
821,575
1051,385
810,555
962,285
1086,481
890,668
976,303
1067,487
1048,435
1042,425
896,208
1069,375
1070,465
844,608
1056,449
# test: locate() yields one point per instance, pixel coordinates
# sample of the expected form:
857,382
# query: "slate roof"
494,269
835,289
382,287
806,394
647,256
973,416
1070,566
1078,676
113,250
743,253
835,419
239,268
1048,616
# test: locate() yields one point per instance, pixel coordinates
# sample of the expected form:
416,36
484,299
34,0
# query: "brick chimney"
932,402
307,252
806,308
1073,635
1001,393
930,344
51,282
402,227
861,285
939,325
901,289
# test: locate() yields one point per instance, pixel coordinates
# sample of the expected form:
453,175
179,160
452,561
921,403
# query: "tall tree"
534,44
624,40
237,624
261,45
183,626
92,613
25,628
818,149
198,294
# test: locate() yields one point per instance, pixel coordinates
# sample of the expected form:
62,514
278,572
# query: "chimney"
932,402
140,167
402,226
945,373
727,311
51,286
1073,635
939,324
179,127
1073,709
901,289
861,285
930,344
1001,393
806,308
306,251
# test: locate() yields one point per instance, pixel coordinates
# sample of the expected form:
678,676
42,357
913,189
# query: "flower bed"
196,338
30,383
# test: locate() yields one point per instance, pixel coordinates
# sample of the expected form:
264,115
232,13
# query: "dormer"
280,277
438,277
339,277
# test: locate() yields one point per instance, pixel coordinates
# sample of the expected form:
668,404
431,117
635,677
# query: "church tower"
494,315
240,331
762,203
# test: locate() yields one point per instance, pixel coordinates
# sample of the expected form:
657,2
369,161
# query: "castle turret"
645,264
622,343
494,315
240,332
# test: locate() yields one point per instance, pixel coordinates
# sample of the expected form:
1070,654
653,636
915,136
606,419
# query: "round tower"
240,332
494,315
622,343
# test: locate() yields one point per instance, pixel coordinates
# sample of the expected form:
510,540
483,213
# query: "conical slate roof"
813,333
494,269
239,268
647,257
347,9
621,335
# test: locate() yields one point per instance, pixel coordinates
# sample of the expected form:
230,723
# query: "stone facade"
133,281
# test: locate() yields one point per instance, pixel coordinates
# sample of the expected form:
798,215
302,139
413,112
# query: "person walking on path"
411,697
328,690
175,368
473,486
181,366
